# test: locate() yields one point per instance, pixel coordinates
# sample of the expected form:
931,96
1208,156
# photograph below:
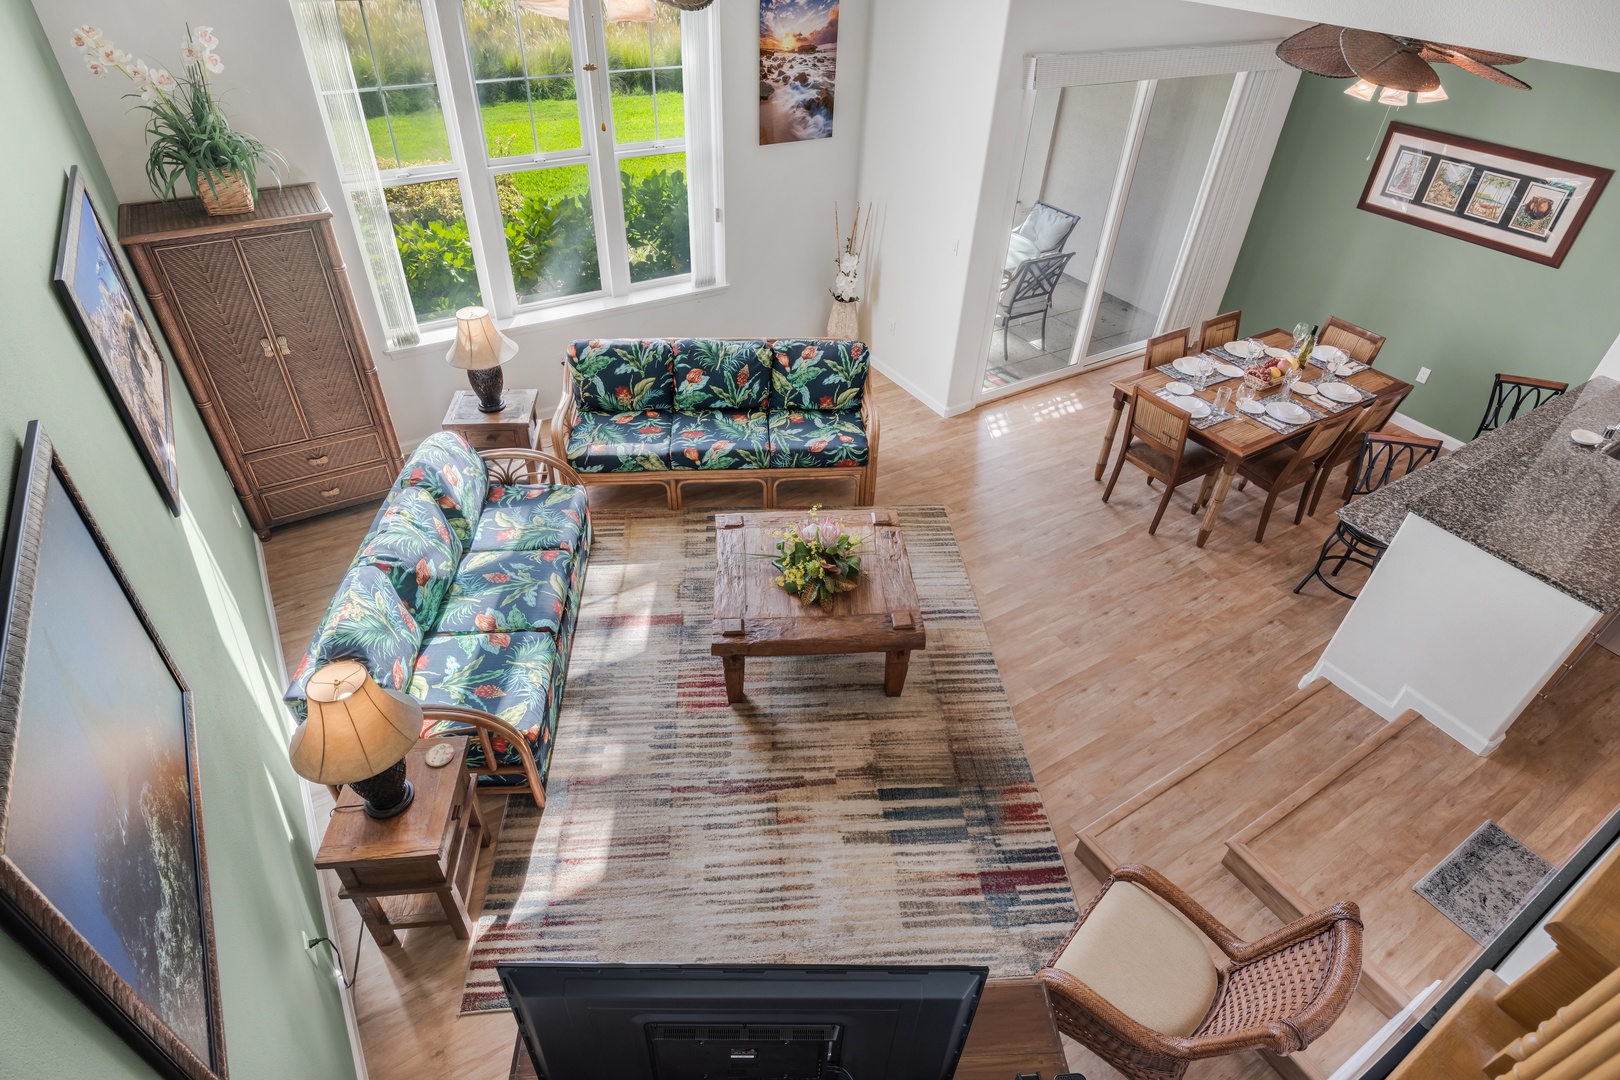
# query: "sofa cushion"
810,439
620,442
529,517
734,376
622,375
506,675
509,591
719,440
413,544
368,622
808,374
453,473
1139,954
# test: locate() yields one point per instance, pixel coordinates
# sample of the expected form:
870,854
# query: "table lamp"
357,734
480,350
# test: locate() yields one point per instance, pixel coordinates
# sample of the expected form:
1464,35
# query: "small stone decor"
1482,884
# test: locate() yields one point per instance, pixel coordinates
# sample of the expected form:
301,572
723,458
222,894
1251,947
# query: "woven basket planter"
688,5
228,194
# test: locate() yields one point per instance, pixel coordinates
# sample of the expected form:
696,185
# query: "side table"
516,425
423,860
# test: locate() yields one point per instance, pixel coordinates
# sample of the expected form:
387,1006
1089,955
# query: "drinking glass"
1245,394
1223,398
1301,332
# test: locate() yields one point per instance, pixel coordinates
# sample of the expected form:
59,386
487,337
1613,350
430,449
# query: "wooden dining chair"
1168,346
1510,394
1156,443
1373,418
1285,467
1352,340
1219,330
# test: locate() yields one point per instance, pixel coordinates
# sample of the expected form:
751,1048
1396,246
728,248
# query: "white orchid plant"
187,134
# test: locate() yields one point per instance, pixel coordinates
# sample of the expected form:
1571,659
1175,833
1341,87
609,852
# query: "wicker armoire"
258,311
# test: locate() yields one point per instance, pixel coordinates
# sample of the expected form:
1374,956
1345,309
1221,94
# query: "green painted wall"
1463,310
198,576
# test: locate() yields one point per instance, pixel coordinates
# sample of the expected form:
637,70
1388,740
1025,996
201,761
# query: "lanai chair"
1030,294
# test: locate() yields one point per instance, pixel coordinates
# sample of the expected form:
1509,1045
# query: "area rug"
819,822
1482,884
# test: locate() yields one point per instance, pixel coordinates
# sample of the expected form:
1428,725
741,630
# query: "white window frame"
475,173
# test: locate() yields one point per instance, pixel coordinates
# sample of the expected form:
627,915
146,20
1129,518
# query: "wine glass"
1301,332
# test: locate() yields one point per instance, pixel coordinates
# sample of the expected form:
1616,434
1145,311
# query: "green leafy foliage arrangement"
817,560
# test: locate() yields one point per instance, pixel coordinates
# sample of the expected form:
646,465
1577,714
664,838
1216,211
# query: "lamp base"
488,383
387,794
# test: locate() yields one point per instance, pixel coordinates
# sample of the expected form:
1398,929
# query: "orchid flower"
205,37
213,63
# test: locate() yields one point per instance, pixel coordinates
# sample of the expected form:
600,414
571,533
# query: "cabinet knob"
331,493
281,343
322,460
269,349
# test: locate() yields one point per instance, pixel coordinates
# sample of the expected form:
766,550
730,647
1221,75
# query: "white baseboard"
927,399
1418,427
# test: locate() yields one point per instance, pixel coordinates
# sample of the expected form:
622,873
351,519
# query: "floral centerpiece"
187,133
817,560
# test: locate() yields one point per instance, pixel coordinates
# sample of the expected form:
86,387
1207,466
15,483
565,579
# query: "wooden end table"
427,854
517,425
754,617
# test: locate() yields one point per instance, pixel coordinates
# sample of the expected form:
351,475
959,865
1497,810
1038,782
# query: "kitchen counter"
1526,494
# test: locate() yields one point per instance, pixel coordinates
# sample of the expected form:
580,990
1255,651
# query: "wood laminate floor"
1124,656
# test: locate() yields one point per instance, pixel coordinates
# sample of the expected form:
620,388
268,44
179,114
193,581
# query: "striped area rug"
820,822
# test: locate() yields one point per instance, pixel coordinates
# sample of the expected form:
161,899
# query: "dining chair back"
1348,448
1156,442
1030,293
1351,339
1285,467
1047,227
1515,394
1219,330
1168,346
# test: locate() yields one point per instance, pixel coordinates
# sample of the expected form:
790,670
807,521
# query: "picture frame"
1514,201
798,70
103,863
106,311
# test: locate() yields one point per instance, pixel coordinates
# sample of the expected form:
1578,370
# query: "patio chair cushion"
620,442
814,439
621,375
1138,953
728,376
1045,226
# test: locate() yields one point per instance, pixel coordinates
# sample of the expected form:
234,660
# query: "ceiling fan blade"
1317,51
1384,61
1484,70
1484,56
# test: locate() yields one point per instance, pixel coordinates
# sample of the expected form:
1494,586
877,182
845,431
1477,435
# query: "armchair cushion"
1134,950
813,439
414,547
367,621
720,440
730,376
531,517
809,374
506,675
509,591
620,442
452,472
623,375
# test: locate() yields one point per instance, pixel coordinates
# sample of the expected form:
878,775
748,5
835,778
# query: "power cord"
359,941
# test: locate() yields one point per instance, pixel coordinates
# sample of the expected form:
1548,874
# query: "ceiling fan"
1399,63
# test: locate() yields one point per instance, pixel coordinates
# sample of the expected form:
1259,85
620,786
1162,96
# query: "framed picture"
92,284
103,870
1524,204
798,69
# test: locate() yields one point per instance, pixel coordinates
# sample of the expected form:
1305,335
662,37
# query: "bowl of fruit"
1269,371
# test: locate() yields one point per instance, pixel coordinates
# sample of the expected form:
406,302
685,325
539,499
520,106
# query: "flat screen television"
742,1022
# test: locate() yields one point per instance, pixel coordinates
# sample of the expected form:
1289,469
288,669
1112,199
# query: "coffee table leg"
734,677
895,666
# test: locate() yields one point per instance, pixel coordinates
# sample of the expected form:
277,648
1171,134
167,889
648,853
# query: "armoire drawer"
328,492
315,458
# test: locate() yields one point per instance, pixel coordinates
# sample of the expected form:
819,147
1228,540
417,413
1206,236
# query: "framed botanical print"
1524,204
103,869
91,282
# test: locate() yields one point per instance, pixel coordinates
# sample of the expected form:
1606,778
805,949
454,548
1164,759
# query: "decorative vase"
843,323
488,384
228,194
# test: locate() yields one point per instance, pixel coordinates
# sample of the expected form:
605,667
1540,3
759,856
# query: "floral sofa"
464,595
679,411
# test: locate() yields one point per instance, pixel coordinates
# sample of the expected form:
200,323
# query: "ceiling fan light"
1391,96
1427,96
1362,89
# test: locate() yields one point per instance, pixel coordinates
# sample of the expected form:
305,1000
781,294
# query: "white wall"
1092,122
778,199
1610,364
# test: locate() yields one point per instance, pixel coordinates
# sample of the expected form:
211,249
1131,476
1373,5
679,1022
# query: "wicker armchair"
1279,993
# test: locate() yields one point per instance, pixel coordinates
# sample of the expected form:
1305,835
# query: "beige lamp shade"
479,346
355,730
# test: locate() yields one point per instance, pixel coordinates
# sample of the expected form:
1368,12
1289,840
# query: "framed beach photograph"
91,282
1514,201
798,69
103,869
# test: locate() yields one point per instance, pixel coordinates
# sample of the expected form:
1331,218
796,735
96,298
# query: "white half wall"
1610,364
778,200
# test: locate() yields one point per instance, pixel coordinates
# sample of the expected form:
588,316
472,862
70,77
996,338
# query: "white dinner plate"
1586,438
1197,407
1278,354
1340,392
1178,388
1246,349
1252,406
1306,388
1231,371
1191,365
1287,412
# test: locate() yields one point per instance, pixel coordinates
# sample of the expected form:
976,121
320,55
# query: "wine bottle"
1305,350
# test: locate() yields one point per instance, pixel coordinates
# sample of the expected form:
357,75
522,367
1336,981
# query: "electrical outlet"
956,247
1423,375
891,327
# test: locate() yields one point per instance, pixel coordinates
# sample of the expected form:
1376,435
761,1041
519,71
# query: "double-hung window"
536,152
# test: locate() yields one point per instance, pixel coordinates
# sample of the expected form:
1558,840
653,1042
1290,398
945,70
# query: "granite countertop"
1526,494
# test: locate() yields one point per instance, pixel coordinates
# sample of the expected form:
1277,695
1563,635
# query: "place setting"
1278,412
1240,353
1336,361
1332,396
1211,370
1203,413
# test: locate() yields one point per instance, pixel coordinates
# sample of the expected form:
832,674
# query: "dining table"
1241,437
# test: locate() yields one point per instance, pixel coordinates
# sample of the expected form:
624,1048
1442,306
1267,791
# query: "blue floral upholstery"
812,439
720,440
710,374
524,517
507,675
453,473
622,375
508,591
368,622
620,442
825,375
414,546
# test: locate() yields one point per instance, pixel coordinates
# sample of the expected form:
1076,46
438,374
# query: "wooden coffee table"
753,616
